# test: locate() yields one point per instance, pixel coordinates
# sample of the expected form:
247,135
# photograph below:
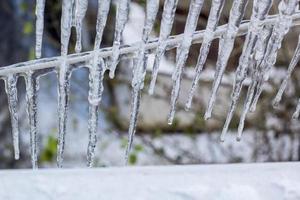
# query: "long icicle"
39,12
139,72
97,69
168,16
259,13
281,28
247,104
121,19
12,97
31,98
291,68
96,76
212,23
225,47
79,14
255,62
64,75
182,53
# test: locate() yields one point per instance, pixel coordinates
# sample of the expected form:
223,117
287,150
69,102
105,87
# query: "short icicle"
212,23
225,47
259,13
291,67
182,53
64,75
12,96
168,16
39,12
79,14
31,100
96,76
121,19
139,72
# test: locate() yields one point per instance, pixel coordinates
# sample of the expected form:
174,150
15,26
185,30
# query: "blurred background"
269,135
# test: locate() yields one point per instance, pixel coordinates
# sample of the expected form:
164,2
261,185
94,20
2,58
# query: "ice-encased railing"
100,60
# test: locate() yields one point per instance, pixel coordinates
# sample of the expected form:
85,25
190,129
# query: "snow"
211,182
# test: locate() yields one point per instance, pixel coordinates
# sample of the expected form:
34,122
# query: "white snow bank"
235,181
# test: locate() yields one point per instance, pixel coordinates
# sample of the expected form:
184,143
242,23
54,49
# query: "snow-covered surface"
210,182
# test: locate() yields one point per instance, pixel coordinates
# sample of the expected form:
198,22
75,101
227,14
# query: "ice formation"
183,51
225,47
168,16
139,71
263,40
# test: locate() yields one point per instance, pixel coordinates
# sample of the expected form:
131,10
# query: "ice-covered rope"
126,51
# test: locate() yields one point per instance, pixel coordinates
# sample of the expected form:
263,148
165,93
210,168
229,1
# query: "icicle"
183,51
103,9
121,19
31,96
79,14
225,47
247,104
259,13
97,69
66,24
39,12
139,71
254,60
64,75
12,96
165,31
96,76
292,65
297,111
212,23
281,28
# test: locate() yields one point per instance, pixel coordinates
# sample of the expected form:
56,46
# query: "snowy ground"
210,182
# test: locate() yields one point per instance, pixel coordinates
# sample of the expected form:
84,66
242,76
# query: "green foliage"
49,152
28,28
132,159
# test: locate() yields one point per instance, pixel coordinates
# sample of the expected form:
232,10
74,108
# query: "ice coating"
12,97
165,31
139,71
259,14
225,47
212,23
39,12
121,19
31,100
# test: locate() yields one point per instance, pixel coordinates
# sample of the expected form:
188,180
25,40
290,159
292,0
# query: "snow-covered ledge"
231,181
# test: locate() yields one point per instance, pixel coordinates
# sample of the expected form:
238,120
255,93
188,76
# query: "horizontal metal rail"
125,51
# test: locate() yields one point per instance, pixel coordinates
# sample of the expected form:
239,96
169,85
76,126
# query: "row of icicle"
258,57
